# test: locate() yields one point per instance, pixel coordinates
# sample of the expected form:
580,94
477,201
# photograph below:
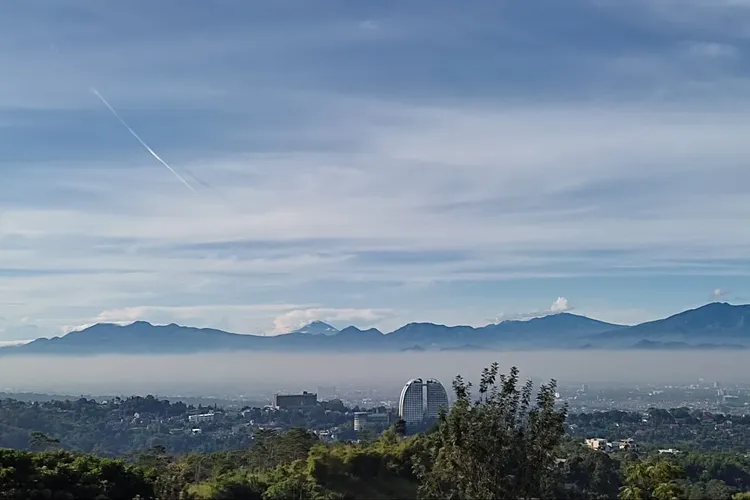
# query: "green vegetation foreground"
505,443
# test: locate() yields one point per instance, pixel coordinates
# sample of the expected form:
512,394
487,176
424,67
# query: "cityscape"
388,250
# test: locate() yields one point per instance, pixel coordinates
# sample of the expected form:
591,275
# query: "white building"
669,451
420,400
203,417
411,402
598,444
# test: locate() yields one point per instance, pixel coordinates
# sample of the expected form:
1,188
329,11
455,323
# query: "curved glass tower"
437,399
411,402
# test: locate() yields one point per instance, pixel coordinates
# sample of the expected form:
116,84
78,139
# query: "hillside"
715,323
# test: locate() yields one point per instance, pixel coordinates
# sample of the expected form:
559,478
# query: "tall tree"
40,441
501,445
652,480
400,427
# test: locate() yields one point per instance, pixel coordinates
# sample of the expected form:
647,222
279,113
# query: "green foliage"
400,427
40,441
652,480
680,428
588,474
113,429
64,475
503,445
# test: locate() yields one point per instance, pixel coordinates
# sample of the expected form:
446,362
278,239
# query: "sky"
370,163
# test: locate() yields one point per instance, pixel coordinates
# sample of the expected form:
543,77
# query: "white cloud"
513,211
560,305
244,318
718,293
292,320
6,343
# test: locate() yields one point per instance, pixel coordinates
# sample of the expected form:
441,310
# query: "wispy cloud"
712,50
292,320
522,155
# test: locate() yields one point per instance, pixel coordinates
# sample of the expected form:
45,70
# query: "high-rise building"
422,400
437,399
411,402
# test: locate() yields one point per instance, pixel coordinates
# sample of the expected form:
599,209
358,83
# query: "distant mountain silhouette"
356,333
715,323
138,337
466,347
414,348
555,330
671,346
714,326
547,331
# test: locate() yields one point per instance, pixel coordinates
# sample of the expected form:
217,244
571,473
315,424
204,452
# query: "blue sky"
371,163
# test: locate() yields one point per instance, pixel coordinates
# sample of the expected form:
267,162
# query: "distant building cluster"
600,444
291,401
420,401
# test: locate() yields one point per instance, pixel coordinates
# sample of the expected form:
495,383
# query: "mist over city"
255,374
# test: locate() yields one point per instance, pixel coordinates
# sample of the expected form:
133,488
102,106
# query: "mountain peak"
317,328
353,330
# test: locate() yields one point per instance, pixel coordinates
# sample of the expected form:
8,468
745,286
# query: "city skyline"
369,164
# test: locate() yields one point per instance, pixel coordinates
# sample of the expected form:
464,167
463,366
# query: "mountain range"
713,326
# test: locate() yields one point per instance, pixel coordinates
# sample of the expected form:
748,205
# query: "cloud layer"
374,165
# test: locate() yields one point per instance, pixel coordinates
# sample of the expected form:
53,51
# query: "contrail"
132,132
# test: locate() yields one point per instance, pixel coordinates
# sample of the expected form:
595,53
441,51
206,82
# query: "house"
598,444
628,445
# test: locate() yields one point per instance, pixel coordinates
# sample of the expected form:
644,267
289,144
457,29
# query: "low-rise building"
363,419
289,401
669,451
200,418
598,444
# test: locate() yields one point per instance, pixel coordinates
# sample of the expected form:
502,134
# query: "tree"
655,480
41,442
400,427
502,445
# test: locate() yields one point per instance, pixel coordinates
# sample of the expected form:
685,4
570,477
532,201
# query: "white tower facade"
411,402
422,400
437,399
